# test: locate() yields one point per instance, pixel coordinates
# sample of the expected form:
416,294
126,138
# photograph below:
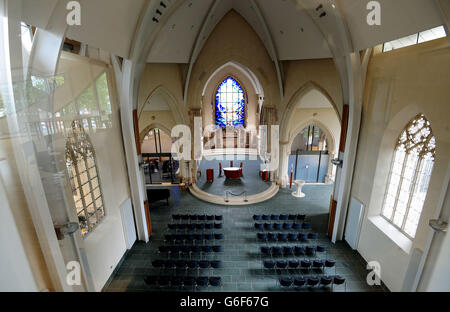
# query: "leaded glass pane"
230,104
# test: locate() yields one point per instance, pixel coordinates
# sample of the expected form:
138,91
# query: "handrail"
229,192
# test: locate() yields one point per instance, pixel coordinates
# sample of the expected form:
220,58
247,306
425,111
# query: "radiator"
129,229
354,220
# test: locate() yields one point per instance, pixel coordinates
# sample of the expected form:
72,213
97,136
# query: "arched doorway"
160,166
309,159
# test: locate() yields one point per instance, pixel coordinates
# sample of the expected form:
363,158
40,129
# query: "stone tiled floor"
242,261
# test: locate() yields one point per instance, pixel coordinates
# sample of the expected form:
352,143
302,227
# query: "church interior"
224,146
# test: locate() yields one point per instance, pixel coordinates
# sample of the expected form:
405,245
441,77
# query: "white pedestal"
298,192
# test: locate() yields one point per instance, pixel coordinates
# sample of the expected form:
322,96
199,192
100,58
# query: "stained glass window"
84,178
230,104
409,176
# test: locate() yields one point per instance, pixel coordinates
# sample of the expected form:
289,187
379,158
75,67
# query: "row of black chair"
195,217
186,264
291,217
283,226
284,237
185,249
291,250
194,226
305,265
193,238
313,281
187,281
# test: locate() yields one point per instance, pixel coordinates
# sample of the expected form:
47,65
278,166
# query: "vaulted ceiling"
285,28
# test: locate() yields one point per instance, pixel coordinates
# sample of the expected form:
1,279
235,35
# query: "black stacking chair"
169,264
276,251
191,226
184,217
151,280
286,281
284,217
272,236
218,236
259,226
266,251
182,226
268,226
269,264
339,280
193,217
277,226
217,249
202,281
299,281
312,281
265,217
208,237
293,237
210,217
318,265
313,236
305,265
188,281
330,264
287,226
196,250
215,264
174,250
172,226
297,226
262,236
274,217
326,281
292,217
301,217
189,238
206,249
158,264
209,226
185,250
192,264
282,264
282,237
306,226
310,250
204,264
181,264
288,251
163,249
169,238
179,238
176,217
201,217
164,281
320,248
299,250
200,226
293,264
218,217
257,217
215,281
218,226
198,237
302,237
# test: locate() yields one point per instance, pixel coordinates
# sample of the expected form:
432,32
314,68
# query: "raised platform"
233,200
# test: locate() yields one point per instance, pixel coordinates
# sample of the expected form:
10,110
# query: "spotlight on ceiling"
158,12
319,7
323,14
155,20
163,4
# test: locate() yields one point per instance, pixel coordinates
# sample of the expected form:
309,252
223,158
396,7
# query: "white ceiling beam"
272,50
198,46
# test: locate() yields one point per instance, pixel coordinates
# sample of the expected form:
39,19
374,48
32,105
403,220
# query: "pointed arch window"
82,169
410,175
230,104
